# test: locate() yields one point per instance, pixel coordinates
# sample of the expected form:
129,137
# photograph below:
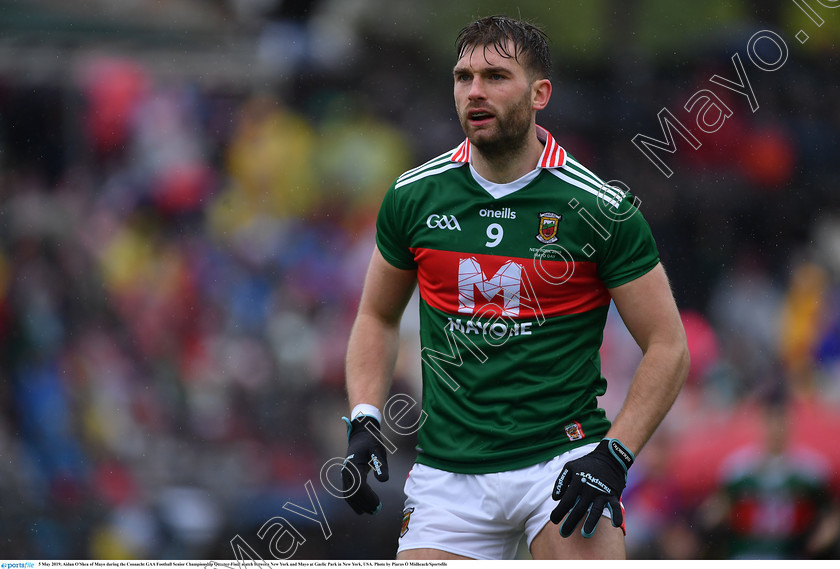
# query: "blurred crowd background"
187,196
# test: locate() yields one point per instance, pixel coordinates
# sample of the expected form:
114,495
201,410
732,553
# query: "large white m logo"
507,281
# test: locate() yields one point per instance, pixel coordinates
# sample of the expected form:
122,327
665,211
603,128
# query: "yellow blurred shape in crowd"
127,258
360,156
801,323
270,163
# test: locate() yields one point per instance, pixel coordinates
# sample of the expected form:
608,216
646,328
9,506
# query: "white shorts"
481,516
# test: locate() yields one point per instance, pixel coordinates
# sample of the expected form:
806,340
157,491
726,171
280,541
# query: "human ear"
540,94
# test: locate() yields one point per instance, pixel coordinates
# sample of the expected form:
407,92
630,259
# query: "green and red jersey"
513,281
775,501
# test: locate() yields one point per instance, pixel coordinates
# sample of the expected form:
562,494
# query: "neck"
510,163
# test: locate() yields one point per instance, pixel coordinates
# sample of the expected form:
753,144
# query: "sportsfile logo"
437,221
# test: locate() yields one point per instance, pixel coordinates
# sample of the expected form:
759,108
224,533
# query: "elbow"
672,358
683,360
673,354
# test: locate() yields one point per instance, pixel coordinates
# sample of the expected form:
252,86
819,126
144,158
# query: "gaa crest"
548,227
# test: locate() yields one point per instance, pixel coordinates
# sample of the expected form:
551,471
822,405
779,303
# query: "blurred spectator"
775,501
803,322
744,308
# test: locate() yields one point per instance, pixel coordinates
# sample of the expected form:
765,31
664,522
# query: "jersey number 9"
495,233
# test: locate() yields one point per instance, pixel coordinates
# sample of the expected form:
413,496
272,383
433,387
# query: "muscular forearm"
371,356
655,387
374,340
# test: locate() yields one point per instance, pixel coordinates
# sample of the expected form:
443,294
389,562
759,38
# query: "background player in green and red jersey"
774,499
518,250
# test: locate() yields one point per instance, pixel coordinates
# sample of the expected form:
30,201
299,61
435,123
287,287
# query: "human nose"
476,90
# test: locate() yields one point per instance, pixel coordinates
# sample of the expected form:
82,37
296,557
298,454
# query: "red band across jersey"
470,283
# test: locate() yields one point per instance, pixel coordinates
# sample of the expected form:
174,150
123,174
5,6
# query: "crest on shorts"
574,431
406,518
548,227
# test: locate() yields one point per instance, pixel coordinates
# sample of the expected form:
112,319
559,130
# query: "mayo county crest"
548,227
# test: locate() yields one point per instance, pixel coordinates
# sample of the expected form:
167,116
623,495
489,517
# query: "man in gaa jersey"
517,250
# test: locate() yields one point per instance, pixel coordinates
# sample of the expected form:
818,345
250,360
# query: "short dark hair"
529,42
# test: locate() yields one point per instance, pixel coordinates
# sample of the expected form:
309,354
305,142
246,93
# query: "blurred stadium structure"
187,190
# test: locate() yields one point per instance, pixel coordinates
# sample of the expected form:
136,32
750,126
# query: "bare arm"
374,339
648,309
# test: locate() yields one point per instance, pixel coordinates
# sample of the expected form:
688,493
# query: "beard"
511,131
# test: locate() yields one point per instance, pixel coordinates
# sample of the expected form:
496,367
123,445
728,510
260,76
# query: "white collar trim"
501,190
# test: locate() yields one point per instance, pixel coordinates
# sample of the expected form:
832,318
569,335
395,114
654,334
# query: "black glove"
364,451
589,484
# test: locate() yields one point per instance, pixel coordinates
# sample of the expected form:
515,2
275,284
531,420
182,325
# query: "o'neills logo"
504,213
